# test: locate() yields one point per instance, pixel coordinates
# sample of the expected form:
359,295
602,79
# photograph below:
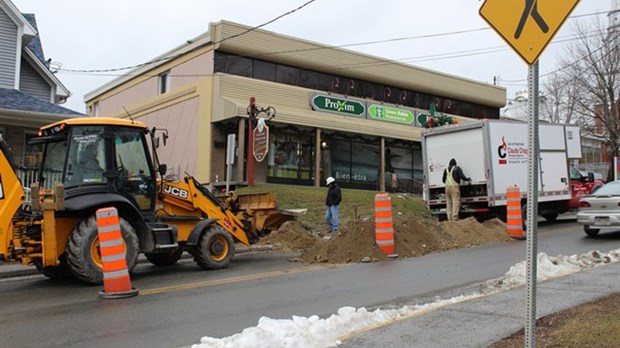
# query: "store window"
287,75
291,156
259,69
354,162
264,70
358,163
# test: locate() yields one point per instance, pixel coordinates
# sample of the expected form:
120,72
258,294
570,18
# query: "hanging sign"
261,140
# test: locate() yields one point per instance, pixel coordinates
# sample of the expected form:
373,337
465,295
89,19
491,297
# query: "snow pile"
317,332
551,267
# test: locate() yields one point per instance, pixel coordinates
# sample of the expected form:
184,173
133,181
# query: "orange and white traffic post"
384,227
116,282
514,217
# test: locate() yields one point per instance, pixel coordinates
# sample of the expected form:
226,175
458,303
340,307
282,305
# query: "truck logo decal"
436,167
501,152
175,191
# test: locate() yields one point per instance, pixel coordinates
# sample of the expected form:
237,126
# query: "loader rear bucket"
264,208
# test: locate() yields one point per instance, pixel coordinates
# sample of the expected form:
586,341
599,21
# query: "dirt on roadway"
356,240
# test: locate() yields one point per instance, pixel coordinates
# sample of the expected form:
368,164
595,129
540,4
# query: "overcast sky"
88,35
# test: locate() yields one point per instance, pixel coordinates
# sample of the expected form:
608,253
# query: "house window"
164,82
93,110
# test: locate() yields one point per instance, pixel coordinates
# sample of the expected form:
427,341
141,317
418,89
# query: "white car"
600,209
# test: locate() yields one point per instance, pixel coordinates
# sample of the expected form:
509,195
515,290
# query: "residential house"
30,93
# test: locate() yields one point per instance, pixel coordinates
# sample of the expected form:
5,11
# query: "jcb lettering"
175,191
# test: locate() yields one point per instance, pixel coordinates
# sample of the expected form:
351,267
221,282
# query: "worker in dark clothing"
452,177
334,196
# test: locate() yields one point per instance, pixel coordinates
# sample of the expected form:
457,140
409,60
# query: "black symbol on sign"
531,10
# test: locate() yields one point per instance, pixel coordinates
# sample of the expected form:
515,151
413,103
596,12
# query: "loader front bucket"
264,209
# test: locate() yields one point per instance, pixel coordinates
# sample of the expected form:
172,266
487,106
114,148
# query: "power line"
180,54
604,45
97,71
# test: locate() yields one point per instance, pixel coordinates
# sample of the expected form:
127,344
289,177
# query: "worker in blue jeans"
334,196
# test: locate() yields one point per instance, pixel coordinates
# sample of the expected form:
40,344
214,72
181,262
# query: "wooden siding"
8,51
182,122
33,84
310,55
292,106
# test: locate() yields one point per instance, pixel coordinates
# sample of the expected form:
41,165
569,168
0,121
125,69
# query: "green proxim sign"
338,105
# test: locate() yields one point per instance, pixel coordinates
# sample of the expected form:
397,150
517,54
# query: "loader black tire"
215,249
60,272
165,258
83,254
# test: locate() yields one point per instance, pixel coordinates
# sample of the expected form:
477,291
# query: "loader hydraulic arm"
213,207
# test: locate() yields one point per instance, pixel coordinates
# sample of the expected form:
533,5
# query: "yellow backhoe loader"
109,162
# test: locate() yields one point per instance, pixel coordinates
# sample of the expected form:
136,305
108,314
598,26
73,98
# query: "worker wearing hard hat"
334,196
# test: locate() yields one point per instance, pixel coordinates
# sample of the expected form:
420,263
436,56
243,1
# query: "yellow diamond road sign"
527,25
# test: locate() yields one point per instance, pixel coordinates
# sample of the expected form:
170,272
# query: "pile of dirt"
413,237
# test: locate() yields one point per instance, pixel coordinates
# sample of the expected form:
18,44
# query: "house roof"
13,99
35,43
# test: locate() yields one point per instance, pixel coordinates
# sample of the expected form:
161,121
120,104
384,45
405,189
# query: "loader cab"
99,156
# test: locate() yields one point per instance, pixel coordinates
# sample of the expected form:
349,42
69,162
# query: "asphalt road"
177,305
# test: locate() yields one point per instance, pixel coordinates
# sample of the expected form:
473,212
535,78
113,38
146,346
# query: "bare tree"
560,99
587,88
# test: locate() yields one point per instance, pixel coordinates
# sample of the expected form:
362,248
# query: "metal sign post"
230,158
532,205
528,27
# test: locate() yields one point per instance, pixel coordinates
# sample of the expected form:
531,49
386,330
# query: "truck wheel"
215,249
83,253
165,258
551,217
59,272
590,231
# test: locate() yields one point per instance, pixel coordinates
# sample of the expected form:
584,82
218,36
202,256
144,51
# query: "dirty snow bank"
317,332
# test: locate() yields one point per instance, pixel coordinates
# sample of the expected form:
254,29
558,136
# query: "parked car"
600,209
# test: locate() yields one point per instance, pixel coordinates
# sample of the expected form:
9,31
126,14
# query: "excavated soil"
356,240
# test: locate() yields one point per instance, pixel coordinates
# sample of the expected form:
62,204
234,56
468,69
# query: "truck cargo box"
495,154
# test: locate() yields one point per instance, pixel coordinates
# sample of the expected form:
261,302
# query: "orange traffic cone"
116,282
384,228
514,219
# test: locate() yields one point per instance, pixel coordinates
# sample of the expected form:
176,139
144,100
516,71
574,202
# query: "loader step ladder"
165,236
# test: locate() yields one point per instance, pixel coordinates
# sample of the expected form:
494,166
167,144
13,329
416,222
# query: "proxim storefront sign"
390,114
343,106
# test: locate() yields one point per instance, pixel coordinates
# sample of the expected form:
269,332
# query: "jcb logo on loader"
175,191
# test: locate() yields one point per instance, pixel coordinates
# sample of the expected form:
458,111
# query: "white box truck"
494,154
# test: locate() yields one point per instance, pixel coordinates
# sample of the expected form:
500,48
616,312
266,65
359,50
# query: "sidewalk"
482,321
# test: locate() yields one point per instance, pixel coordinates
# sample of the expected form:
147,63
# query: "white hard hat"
330,180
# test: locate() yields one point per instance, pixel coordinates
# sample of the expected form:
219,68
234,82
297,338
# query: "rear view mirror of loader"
162,169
